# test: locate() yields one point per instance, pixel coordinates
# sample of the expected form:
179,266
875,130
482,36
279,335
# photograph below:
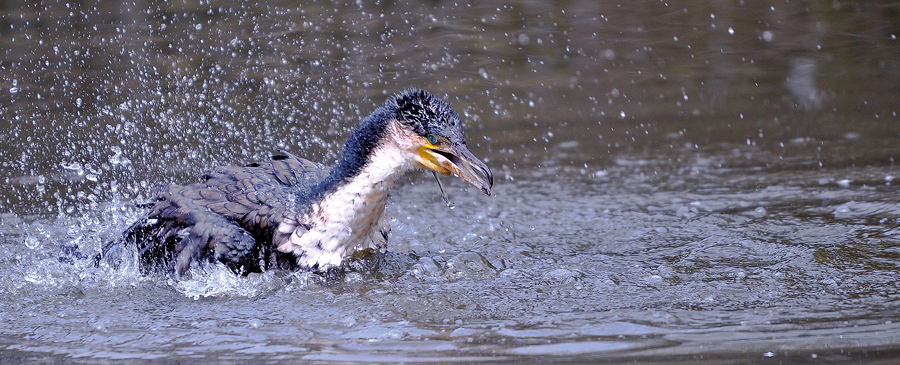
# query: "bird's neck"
374,155
384,164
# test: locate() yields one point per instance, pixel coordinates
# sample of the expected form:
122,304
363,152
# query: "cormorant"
293,213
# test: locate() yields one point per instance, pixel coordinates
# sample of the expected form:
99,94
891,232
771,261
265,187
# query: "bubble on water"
463,331
469,266
558,277
759,212
101,325
685,212
349,321
426,269
842,210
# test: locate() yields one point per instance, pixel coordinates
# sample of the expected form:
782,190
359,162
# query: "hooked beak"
459,160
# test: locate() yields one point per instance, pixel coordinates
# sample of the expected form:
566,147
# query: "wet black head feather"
426,114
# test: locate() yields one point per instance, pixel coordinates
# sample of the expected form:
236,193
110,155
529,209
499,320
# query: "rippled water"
674,183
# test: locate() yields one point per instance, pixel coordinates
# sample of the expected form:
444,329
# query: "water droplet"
32,242
523,39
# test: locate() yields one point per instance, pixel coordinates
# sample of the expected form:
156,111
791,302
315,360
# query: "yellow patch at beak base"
430,160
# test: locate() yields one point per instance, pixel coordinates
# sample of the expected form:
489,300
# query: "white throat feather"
351,217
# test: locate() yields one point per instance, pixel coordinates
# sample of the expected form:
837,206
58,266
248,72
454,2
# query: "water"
673,182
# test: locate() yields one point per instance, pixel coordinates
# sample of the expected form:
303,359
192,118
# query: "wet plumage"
292,213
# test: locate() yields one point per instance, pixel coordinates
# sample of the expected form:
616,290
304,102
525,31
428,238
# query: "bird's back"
230,217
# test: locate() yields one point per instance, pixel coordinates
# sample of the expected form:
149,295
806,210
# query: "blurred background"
688,172
161,91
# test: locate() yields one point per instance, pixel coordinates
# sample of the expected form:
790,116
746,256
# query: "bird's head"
437,137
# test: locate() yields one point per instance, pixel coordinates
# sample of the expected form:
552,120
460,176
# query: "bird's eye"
432,139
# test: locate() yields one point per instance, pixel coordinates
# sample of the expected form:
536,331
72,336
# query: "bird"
291,213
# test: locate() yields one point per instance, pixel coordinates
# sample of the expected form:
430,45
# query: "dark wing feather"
232,216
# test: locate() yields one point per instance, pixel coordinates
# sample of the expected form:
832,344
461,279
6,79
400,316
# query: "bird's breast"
346,221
